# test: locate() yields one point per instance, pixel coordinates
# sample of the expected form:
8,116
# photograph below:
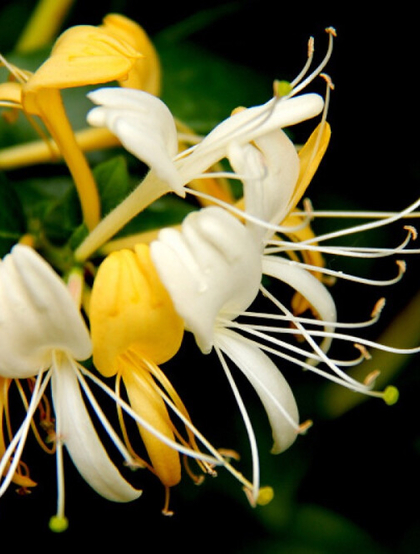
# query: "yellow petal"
310,157
146,72
84,55
130,307
146,402
11,92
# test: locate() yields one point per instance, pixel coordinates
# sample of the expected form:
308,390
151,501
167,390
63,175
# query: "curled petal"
143,124
37,315
270,385
212,266
81,439
270,169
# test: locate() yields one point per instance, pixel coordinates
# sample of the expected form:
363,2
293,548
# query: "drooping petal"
212,267
269,383
37,315
150,406
143,124
81,439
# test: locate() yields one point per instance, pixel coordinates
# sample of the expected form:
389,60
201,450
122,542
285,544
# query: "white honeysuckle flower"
146,128
43,335
212,270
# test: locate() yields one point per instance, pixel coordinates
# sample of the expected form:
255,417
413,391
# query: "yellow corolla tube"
134,328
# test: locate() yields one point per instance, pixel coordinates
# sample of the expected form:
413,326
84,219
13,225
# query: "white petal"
212,267
143,124
81,439
270,385
37,315
246,126
307,285
271,169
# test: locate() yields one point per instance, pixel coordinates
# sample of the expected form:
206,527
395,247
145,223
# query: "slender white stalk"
247,422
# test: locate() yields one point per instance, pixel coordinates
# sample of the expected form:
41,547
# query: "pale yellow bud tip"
390,395
265,496
58,524
282,88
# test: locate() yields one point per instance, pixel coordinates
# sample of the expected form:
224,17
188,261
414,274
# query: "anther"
303,427
412,230
370,379
311,47
328,80
331,31
378,307
363,351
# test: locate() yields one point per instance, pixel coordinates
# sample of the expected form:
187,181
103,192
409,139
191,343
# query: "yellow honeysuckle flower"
84,55
134,328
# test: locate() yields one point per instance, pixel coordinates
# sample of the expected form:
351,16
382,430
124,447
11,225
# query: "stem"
149,190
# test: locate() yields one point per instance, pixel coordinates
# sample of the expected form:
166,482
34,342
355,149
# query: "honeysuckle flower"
135,328
147,129
212,270
44,337
84,55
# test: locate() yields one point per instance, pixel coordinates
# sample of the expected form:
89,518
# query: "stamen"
254,490
317,71
17,444
341,275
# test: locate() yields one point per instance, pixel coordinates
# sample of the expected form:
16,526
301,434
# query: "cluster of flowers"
202,277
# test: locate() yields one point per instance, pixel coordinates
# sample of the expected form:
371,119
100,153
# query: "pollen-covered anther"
412,230
366,355
328,80
402,266
370,379
230,454
331,31
303,427
311,47
378,307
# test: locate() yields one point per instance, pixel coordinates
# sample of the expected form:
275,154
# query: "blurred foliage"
351,484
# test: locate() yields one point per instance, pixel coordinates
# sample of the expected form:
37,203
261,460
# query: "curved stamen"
341,275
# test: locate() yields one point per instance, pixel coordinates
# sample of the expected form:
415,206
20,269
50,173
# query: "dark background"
351,482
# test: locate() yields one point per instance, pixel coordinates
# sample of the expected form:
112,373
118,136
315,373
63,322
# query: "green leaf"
113,181
202,89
